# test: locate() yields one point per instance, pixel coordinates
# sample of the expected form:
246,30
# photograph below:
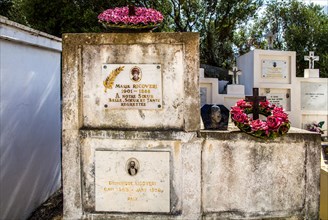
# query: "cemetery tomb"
133,147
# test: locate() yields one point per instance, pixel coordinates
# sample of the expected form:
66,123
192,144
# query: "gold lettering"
144,86
114,100
120,86
129,96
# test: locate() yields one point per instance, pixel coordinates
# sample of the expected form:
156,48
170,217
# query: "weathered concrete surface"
185,168
83,56
217,175
213,175
245,178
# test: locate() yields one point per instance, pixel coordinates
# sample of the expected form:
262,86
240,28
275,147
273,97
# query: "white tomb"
274,73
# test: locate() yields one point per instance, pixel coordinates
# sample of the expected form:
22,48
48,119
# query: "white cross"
270,38
311,58
235,73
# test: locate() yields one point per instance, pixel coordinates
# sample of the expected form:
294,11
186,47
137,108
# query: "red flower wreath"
277,123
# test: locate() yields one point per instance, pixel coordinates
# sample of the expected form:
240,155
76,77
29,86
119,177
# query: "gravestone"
139,181
215,117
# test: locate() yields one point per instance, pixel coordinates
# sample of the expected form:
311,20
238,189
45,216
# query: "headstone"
215,117
278,97
314,96
139,181
274,69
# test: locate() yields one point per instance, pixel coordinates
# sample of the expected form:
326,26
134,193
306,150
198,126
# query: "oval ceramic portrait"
132,166
135,74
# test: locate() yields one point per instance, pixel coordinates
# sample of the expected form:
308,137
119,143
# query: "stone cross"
311,58
256,99
270,38
235,73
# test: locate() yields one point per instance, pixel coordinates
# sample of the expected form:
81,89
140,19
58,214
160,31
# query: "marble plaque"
274,69
131,181
132,86
314,96
277,99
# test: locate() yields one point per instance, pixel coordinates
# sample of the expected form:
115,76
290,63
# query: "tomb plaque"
314,96
277,99
132,86
132,181
274,69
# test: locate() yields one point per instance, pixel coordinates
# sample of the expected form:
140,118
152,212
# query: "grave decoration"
130,19
315,127
276,124
215,117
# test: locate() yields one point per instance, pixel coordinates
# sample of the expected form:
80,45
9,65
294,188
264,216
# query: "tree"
216,21
298,27
5,6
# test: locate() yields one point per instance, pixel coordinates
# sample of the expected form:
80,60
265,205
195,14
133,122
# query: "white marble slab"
130,181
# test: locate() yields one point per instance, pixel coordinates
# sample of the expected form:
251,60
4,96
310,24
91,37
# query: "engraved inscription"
139,181
274,69
132,86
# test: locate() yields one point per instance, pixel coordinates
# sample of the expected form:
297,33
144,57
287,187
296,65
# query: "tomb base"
234,171
235,89
311,73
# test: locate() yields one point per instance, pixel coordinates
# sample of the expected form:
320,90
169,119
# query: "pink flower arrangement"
276,124
120,16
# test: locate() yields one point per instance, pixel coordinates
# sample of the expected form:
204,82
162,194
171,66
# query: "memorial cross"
270,38
256,99
311,58
235,73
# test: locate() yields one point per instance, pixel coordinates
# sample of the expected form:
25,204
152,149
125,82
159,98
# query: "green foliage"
226,27
5,6
299,27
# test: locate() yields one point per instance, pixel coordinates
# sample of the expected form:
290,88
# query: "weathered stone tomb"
133,148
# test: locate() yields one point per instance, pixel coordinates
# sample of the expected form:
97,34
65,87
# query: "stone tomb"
116,89
133,148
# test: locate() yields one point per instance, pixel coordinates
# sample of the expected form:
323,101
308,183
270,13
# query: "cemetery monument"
133,148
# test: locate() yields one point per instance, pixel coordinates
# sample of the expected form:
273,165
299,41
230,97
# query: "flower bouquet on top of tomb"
130,19
276,124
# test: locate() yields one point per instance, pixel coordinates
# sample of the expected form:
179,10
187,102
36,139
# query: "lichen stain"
210,148
142,115
260,155
176,149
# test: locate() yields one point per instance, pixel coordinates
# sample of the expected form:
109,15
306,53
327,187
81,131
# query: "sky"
323,3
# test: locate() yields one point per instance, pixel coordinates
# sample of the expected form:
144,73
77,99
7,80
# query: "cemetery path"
52,209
